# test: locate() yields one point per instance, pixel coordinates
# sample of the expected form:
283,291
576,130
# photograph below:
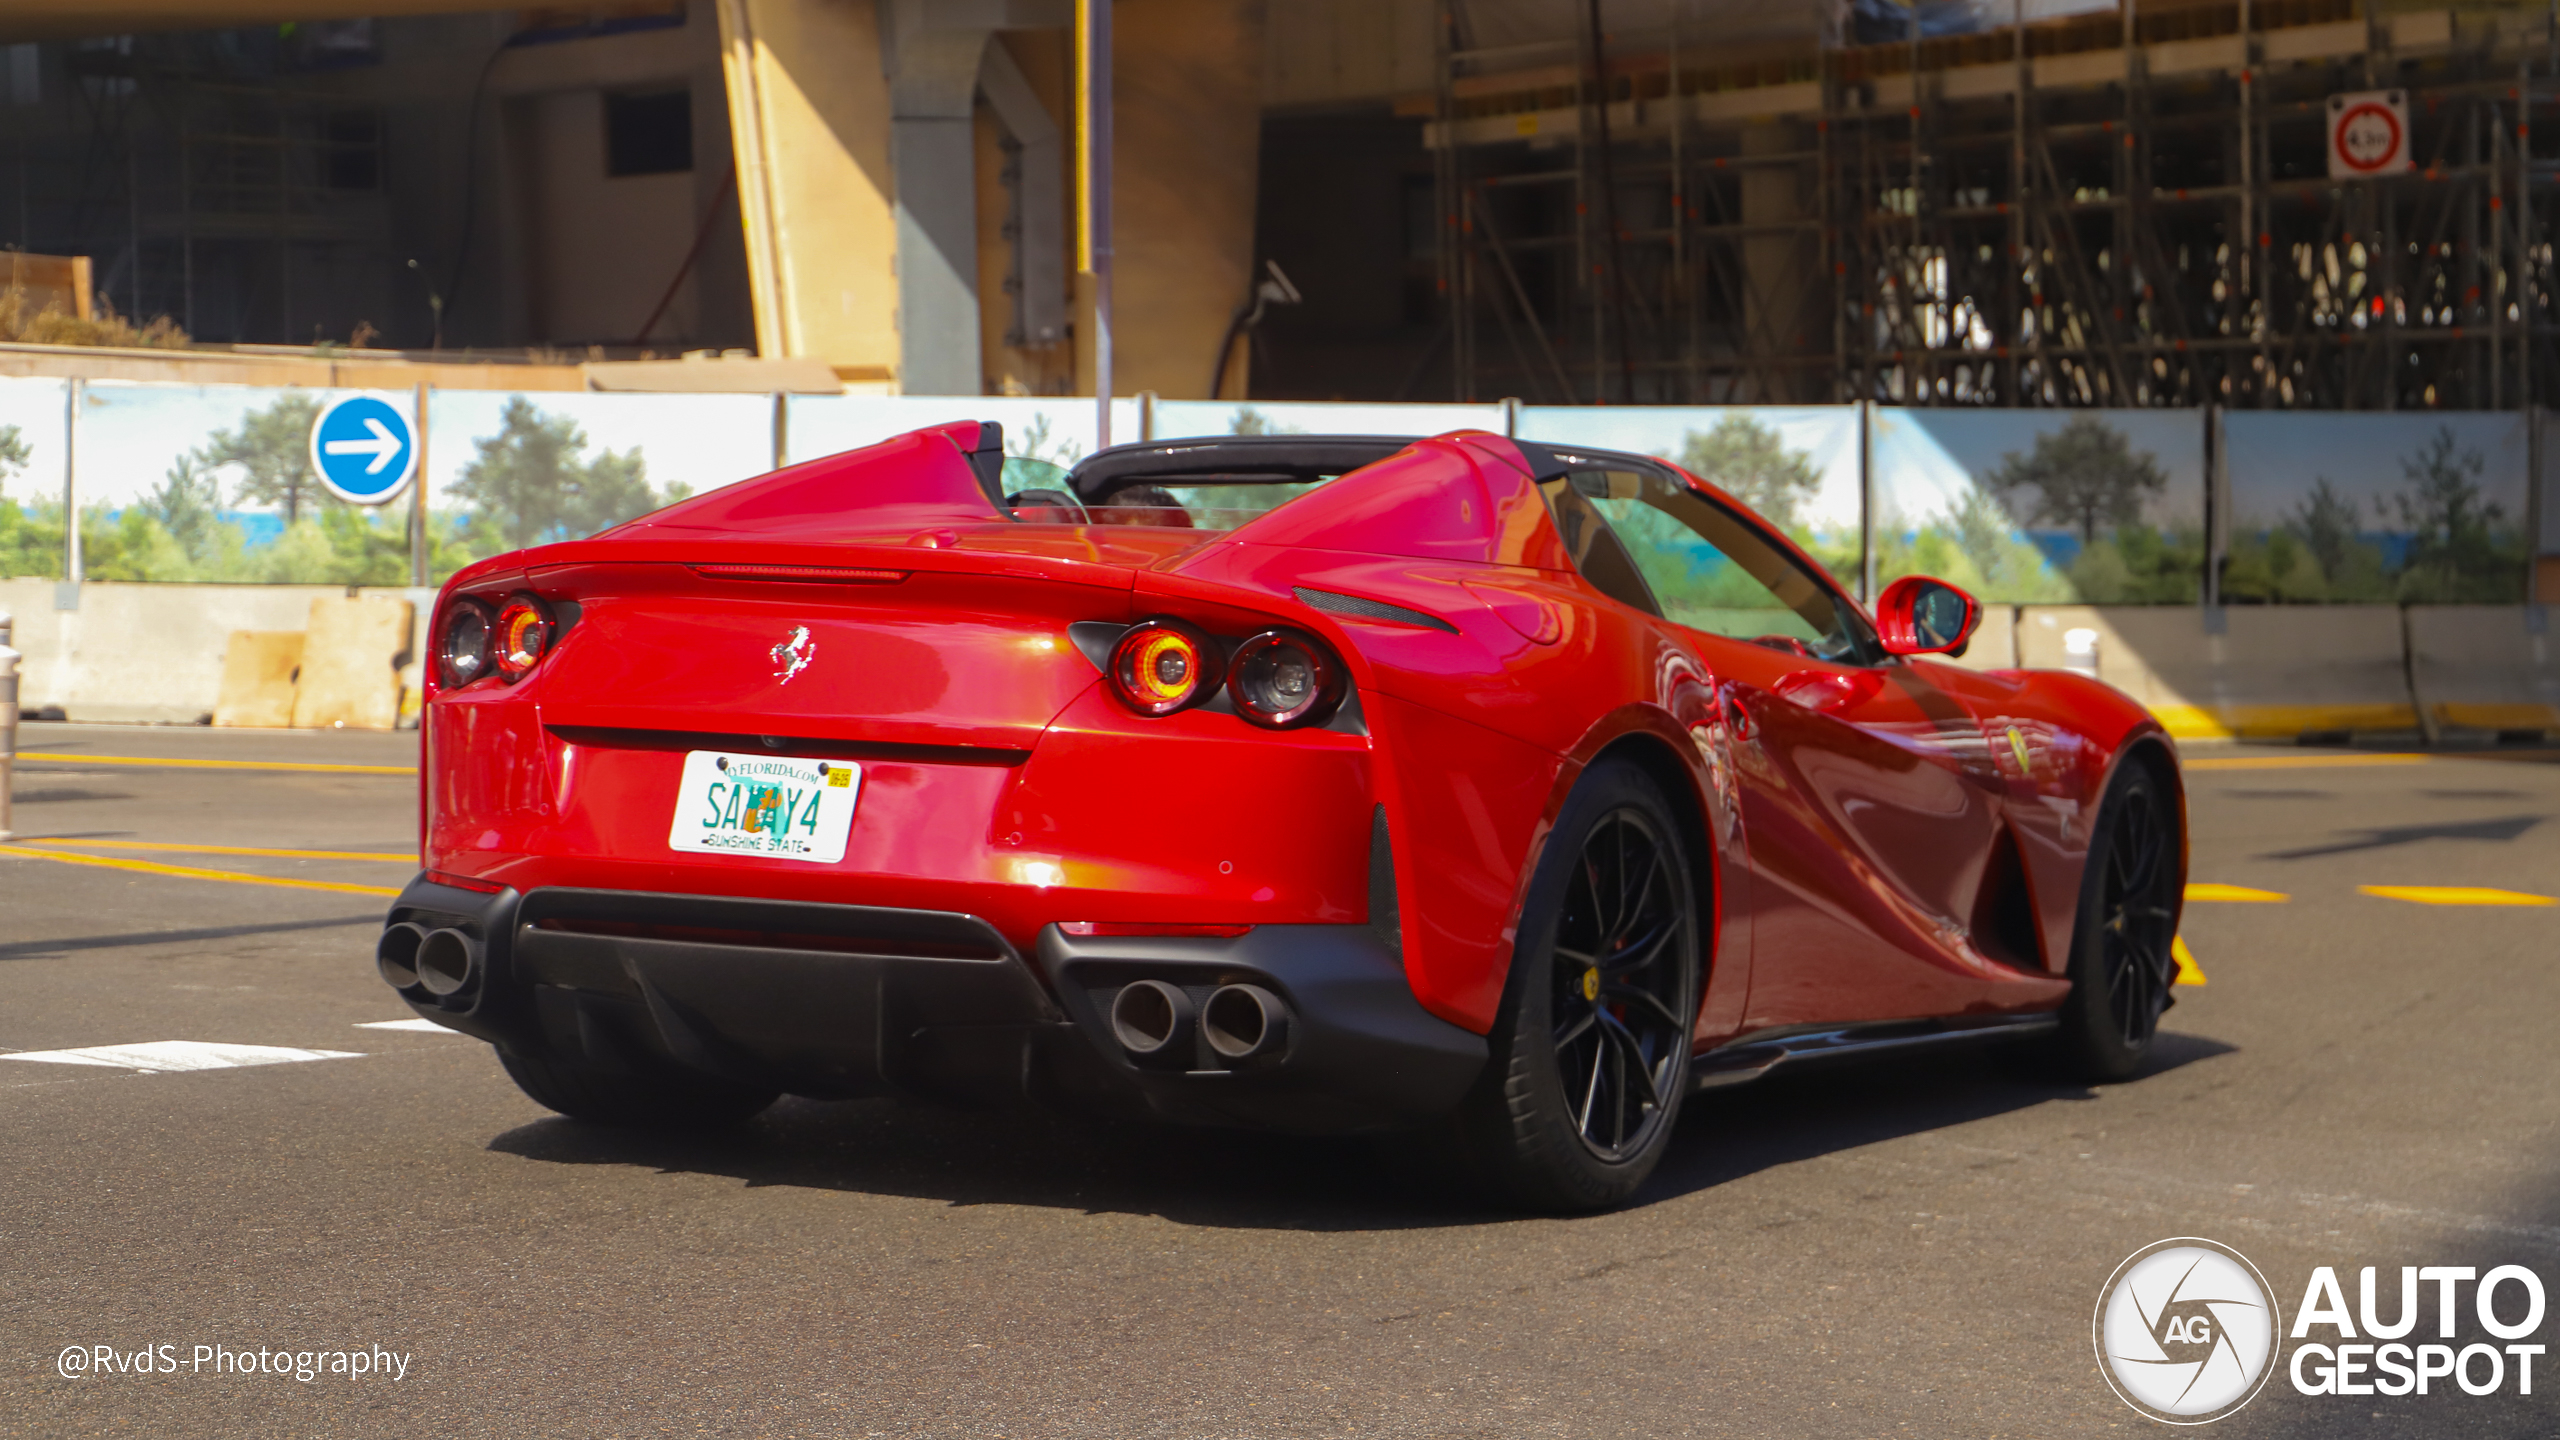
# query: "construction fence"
213,484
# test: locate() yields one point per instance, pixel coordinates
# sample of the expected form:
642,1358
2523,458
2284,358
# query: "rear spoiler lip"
908,560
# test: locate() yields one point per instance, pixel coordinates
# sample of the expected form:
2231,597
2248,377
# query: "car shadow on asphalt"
1728,1134
1249,1180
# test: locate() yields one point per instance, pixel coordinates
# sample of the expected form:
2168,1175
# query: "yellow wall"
810,115
1188,114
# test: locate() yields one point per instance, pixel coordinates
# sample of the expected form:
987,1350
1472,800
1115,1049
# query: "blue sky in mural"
1926,459
1826,435
2277,456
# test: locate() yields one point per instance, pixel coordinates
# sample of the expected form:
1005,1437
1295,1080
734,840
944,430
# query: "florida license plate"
764,805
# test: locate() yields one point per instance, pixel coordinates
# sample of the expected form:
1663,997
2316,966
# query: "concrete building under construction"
1966,202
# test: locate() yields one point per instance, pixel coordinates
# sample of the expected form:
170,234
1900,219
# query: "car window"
1021,472
1203,507
1697,563
1594,545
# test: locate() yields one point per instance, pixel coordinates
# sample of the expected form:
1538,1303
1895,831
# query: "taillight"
524,636
1161,666
1281,680
462,648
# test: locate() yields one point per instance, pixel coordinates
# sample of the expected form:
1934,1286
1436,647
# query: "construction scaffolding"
2121,209
209,188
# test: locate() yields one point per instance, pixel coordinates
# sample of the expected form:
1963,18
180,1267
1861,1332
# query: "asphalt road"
1910,1248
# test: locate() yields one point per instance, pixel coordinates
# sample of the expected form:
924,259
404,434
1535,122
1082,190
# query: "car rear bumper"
842,1000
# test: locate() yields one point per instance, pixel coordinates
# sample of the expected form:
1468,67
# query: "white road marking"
168,1055
418,1023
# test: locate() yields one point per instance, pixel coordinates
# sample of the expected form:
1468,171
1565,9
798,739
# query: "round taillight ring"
1283,680
523,637
462,644
1161,666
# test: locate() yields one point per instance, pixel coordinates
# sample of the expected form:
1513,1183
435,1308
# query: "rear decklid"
876,597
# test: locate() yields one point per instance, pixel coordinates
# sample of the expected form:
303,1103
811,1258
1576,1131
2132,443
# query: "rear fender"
1686,756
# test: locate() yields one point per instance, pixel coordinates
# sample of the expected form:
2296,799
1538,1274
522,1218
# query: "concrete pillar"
933,53
1187,99
810,117
1026,216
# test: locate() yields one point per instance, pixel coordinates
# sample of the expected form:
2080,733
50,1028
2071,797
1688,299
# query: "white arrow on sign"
381,447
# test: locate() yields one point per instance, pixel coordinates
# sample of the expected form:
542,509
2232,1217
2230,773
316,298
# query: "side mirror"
1919,616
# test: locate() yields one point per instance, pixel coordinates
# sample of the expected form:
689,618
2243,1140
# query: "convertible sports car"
1323,783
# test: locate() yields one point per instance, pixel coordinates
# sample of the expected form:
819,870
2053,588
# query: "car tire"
2122,963
611,1097
1590,1050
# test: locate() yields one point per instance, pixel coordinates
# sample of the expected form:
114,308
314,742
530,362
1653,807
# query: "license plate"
764,805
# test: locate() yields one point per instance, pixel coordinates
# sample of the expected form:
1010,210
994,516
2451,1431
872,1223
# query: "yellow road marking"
212,764
2236,894
2299,762
2188,974
2456,895
238,850
147,867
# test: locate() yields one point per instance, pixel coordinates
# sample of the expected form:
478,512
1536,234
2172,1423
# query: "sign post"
364,448
2369,134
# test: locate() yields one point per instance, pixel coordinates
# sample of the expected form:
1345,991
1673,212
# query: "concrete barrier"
259,668
152,653
2485,667
2275,673
351,657
155,653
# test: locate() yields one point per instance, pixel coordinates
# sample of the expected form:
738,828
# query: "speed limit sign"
2368,134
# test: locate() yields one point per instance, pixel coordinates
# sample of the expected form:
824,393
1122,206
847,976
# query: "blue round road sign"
364,448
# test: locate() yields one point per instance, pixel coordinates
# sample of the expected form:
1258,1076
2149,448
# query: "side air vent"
1383,915
1369,609
2004,915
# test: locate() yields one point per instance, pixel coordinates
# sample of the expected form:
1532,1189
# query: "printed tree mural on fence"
2458,546
2085,480
2463,547
531,482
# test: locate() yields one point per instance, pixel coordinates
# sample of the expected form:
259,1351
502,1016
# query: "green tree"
532,483
1752,463
2326,523
1988,556
31,539
188,504
1039,441
133,545
2462,547
2085,476
14,455
272,447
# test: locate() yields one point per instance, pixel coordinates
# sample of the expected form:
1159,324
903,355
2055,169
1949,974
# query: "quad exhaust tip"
447,962
396,954
1151,1020
1245,1022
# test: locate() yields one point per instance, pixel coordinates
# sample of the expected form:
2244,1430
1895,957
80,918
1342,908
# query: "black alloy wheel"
2122,960
1590,1053
2137,923
1619,1037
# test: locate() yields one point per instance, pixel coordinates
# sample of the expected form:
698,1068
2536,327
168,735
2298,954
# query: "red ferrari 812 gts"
1319,783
